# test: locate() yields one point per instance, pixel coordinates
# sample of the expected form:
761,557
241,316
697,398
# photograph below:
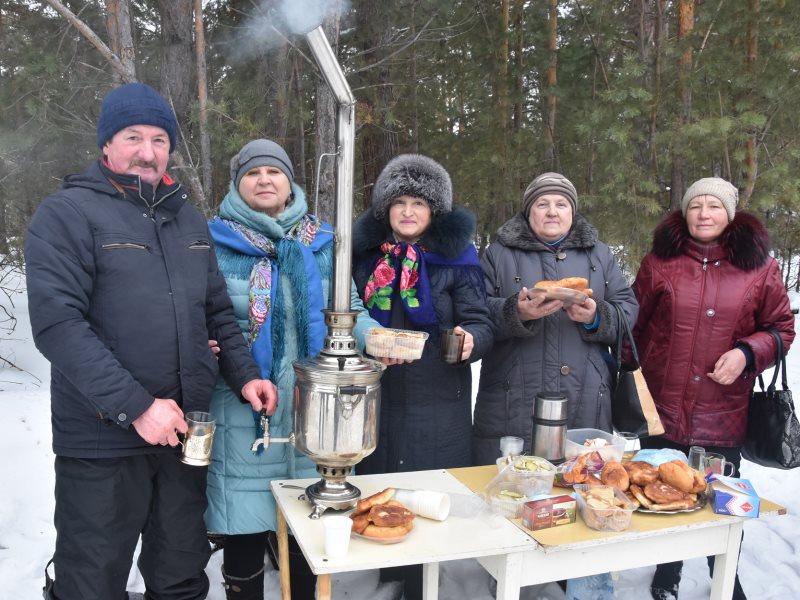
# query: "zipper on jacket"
124,246
200,245
705,263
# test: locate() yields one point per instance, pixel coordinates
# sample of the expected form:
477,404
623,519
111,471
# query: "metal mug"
452,346
196,444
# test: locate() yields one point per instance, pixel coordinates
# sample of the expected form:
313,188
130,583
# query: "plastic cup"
425,503
337,535
466,505
511,445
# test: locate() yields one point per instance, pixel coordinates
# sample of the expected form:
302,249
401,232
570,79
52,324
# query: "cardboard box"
549,511
733,496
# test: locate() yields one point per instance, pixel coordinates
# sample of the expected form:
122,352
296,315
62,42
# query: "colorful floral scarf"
402,265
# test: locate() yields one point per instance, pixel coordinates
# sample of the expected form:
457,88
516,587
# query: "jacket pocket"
124,246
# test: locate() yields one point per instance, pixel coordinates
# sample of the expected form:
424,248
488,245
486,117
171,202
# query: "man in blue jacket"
124,294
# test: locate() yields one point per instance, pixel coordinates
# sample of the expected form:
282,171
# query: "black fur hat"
413,175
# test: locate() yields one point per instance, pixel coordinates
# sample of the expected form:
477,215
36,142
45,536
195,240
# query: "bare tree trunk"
202,101
751,144
326,132
659,35
519,67
118,25
378,143
177,23
552,79
414,137
679,167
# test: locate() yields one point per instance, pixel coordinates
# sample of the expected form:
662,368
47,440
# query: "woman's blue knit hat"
134,104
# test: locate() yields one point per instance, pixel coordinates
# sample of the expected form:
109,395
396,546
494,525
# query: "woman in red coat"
708,292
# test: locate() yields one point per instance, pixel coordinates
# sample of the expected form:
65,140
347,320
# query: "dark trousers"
668,575
243,555
104,505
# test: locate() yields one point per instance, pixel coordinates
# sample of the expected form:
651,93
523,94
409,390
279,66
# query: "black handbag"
632,406
773,431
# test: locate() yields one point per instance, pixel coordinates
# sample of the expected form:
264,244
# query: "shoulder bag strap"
623,332
780,363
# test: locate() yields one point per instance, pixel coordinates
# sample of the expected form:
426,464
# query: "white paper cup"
425,503
337,535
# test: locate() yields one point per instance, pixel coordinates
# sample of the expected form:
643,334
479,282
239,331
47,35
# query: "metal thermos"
550,413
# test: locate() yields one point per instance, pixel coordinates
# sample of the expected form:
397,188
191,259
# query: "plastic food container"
507,498
395,343
576,438
533,472
603,507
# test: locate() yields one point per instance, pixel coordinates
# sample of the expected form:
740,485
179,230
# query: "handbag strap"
623,332
780,365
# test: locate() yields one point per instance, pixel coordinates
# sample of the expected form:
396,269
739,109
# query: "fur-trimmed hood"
517,233
744,243
449,234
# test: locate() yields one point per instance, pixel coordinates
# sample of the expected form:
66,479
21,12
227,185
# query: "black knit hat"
413,175
134,104
549,183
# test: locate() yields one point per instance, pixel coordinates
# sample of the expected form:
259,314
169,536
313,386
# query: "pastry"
365,504
639,494
387,515
662,493
574,283
615,474
677,474
641,473
360,522
384,533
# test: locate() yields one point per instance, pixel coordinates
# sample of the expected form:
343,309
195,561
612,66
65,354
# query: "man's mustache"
146,164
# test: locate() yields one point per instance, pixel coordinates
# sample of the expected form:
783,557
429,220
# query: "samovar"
337,393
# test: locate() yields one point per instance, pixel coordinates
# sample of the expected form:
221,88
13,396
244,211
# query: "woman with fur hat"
416,268
709,292
272,253
544,344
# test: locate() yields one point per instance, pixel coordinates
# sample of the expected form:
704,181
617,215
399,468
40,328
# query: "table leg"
430,581
283,555
725,565
509,575
324,587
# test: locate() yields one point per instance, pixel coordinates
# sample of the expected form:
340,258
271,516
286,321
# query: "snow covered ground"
769,567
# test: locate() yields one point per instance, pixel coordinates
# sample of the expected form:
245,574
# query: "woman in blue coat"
416,268
277,261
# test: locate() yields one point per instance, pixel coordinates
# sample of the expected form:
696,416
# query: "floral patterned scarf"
402,265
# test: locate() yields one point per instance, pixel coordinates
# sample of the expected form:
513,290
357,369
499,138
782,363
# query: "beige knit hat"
549,183
713,186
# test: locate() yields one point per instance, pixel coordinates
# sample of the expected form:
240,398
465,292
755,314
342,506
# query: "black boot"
244,588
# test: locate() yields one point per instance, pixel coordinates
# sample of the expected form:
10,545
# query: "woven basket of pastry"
671,487
395,343
381,519
604,507
568,290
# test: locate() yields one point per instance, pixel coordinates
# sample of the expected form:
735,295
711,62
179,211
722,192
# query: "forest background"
631,99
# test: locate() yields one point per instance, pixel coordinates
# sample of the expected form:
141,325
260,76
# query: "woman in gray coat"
541,344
